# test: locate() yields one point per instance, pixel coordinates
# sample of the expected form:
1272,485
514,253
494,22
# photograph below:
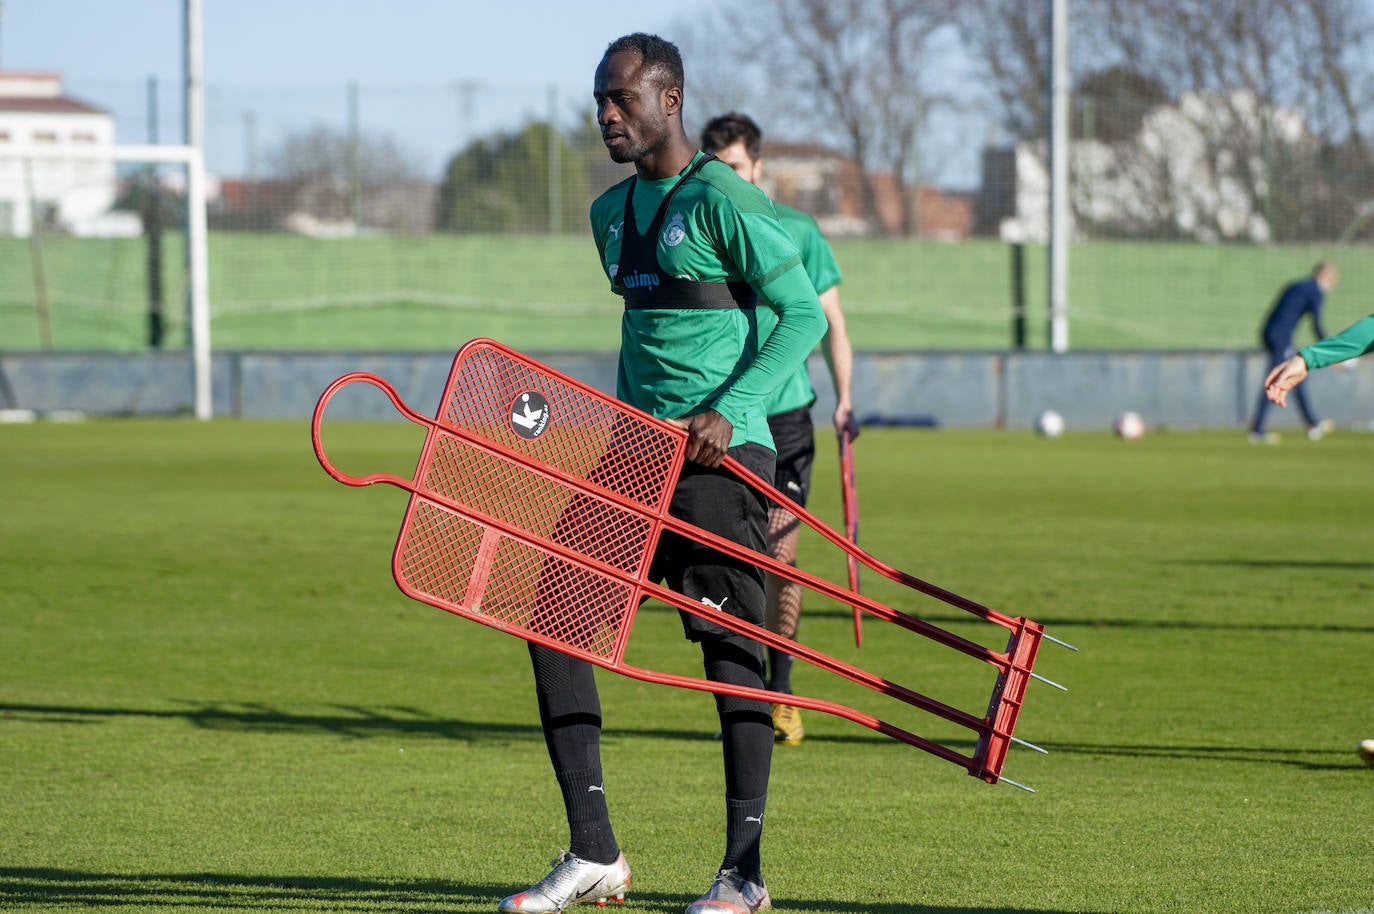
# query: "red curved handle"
338,384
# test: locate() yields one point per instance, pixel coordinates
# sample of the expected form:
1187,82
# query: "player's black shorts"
795,438
719,502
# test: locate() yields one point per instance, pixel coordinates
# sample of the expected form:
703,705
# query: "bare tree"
851,72
1263,106
1263,67
328,176
324,150
1010,41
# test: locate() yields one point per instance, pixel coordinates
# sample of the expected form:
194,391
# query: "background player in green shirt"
737,141
697,254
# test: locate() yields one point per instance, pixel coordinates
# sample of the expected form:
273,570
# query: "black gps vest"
644,284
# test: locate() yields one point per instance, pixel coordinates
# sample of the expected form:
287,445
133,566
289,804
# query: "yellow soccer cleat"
787,725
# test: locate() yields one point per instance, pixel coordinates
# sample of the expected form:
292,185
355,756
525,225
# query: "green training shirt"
680,361
1357,339
819,261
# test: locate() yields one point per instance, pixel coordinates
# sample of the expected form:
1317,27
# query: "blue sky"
431,74
289,61
264,43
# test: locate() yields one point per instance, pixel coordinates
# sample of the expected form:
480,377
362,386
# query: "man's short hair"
661,58
729,129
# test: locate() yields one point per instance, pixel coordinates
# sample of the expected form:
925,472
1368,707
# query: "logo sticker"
676,231
529,415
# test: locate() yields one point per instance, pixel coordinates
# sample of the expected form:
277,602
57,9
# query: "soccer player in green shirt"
697,254
738,142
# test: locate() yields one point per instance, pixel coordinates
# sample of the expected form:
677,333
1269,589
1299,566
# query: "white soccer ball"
1129,426
1366,750
1049,424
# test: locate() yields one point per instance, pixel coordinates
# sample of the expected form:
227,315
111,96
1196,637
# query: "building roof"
46,105
38,92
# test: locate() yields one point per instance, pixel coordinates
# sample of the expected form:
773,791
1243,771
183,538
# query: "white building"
69,194
1186,171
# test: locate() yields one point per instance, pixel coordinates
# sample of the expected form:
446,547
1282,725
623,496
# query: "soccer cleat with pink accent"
732,893
572,881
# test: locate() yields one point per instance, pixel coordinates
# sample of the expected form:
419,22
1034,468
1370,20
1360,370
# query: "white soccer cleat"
731,893
572,881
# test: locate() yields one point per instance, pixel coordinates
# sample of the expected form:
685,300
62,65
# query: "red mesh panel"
544,508
442,559
582,428
447,555
437,552
566,603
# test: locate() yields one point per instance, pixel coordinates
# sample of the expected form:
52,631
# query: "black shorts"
795,438
719,502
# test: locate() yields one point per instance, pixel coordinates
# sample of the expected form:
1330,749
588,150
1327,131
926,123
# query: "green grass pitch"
213,697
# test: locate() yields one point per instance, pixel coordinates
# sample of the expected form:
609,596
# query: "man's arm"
801,324
1355,340
839,356
753,241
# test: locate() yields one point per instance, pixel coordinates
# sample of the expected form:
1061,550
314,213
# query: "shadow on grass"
1054,623
42,888
1304,564
363,723
1305,759
341,720
349,721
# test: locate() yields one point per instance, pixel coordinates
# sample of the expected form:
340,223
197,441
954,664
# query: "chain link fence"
418,216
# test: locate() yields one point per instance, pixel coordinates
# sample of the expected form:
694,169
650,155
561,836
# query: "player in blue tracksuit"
1298,299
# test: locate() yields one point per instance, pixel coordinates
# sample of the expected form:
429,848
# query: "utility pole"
355,179
152,228
555,166
1059,175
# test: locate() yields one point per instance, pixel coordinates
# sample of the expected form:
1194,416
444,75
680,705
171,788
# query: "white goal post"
197,256
191,155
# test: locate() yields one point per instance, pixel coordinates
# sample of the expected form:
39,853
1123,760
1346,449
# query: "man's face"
737,157
631,110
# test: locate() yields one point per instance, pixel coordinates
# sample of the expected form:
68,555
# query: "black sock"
589,821
779,670
743,829
570,712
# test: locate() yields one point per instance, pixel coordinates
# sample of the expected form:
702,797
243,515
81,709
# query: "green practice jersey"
1357,339
824,272
698,252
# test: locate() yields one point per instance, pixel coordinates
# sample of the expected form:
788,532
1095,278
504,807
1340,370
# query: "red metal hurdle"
849,500
537,503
